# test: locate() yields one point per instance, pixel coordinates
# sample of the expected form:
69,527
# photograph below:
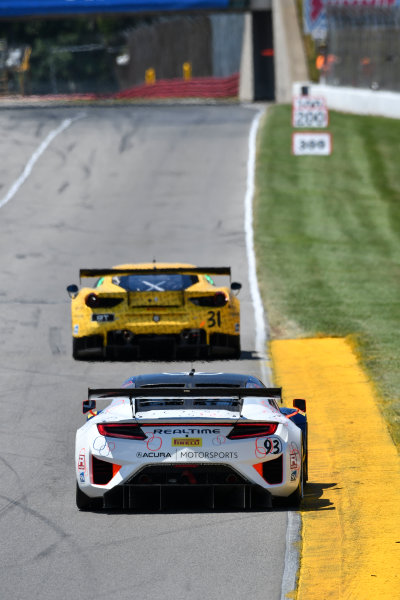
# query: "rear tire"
305,464
294,500
236,349
83,502
296,497
75,353
88,348
237,354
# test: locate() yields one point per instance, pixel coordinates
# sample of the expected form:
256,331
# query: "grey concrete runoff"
117,185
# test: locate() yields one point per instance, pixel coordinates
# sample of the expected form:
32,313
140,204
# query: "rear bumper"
189,342
161,497
160,485
210,485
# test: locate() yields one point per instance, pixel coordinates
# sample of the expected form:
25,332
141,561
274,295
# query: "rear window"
155,283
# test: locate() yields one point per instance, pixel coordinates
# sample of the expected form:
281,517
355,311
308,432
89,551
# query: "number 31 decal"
214,318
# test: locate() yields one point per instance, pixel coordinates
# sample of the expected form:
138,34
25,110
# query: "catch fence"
175,49
363,47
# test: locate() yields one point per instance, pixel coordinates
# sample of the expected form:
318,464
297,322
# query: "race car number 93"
273,446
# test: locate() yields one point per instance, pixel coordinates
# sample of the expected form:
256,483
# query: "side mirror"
300,404
88,405
72,290
236,286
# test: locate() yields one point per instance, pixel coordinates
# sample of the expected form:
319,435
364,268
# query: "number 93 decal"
273,446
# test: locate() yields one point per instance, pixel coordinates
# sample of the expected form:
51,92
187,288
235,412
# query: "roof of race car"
191,379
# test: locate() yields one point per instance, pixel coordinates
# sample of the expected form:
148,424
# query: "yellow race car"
154,311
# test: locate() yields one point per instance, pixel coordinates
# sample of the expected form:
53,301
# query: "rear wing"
156,270
173,392
185,398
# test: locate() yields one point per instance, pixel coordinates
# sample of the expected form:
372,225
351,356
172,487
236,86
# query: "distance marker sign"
309,142
309,111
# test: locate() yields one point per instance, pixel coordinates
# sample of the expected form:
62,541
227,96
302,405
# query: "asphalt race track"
117,185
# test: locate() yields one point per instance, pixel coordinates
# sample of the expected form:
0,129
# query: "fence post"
150,76
187,71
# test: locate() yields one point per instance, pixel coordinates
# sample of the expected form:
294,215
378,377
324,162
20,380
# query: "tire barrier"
197,87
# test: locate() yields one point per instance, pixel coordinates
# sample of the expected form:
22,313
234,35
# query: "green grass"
327,235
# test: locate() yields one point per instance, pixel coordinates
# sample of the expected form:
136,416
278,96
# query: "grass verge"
327,235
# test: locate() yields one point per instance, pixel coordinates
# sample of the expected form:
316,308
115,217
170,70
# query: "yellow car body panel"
132,306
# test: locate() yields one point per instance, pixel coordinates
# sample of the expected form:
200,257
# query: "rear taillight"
220,299
217,299
130,431
249,430
92,300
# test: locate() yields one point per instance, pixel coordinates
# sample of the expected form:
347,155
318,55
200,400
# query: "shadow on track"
315,498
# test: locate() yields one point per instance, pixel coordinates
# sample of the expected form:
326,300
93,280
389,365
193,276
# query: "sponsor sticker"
219,440
186,431
82,477
186,454
187,442
259,450
76,329
154,443
103,318
190,454
102,446
82,461
153,455
294,457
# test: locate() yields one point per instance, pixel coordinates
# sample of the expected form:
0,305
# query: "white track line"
261,326
292,562
35,157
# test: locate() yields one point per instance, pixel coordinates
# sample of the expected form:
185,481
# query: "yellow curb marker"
351,510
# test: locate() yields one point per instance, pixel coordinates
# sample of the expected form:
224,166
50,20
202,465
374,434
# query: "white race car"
221,437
